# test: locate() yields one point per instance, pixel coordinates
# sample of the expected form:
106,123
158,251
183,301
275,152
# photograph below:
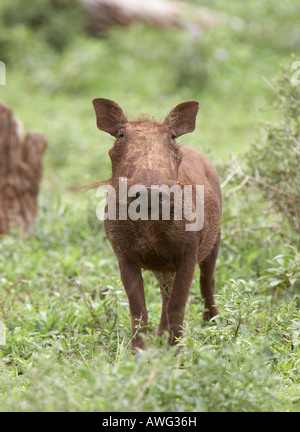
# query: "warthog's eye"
121,135
174,136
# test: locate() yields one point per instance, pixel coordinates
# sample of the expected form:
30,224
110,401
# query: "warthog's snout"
151,197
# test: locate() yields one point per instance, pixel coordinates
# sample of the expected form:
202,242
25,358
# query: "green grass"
67,338
68,331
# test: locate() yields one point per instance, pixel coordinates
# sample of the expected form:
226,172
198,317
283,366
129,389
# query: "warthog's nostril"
158,197
139,196
152,197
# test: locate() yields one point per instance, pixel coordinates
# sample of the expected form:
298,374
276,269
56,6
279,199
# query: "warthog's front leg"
179,295
133,283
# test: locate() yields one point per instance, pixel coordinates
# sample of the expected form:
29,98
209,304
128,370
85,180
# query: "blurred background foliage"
55,68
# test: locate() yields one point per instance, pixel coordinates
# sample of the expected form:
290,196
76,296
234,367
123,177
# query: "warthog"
148,157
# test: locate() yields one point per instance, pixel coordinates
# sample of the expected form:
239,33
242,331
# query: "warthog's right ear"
110,117
182,118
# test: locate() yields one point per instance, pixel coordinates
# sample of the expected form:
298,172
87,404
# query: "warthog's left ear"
110,116
182,118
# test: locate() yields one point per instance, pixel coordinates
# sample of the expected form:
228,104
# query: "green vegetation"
67,322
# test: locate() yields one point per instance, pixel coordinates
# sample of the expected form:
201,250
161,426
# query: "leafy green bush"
265,182
53,21
285,271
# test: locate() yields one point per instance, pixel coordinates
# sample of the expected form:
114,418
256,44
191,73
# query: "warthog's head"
145,151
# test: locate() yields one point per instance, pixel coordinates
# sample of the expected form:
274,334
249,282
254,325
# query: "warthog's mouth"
153,202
